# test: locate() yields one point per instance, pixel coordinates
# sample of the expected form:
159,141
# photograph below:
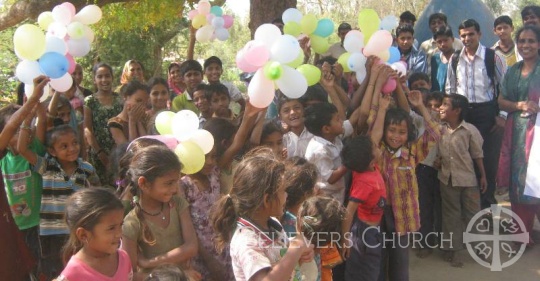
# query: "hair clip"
311,218
135,199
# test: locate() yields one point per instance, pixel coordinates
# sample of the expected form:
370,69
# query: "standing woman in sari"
519,97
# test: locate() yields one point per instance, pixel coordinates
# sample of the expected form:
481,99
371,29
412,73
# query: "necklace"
154,214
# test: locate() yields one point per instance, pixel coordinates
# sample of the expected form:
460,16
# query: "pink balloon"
256,54
170,141
203,8
70,8
380,40
243,64
71,62
210,17
192,14
389,86
261,90
229,20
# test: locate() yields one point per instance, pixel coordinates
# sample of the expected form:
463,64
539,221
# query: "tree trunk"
191,47
264,11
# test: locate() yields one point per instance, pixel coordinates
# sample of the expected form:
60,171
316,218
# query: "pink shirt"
78,270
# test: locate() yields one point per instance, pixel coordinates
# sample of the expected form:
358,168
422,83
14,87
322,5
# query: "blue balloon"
53,64
395,55
325,28
217,11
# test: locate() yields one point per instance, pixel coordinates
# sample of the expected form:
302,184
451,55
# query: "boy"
191,72
460,146
219,100
439,62
200,99
419,80
503,28
415,59
434,102
291,112
429,47
213,69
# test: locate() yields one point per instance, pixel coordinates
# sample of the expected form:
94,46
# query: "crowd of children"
332,188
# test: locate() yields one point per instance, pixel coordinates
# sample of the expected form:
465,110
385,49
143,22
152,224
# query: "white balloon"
184,124
89,33
261,90
354,42
292,83
88,15
204,34
204,139
29,90
63,83
57,29
267,34
61,15
221,34
357,61
292,14
285,49
400,67
389,22
55,44
27,70
218,22
78,47
360,76
76,30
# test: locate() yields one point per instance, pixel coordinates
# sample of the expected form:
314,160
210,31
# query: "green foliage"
8,63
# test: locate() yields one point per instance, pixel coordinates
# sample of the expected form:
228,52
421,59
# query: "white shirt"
296,145
234,93
335,51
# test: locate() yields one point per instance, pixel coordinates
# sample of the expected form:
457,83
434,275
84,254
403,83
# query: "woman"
133,70
176,82
520,95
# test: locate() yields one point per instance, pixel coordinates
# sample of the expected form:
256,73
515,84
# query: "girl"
98,109
159,101
268,133
246,220
159,229
131,122
176,82
94,217
202,190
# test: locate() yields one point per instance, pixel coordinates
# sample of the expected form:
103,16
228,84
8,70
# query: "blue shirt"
438,73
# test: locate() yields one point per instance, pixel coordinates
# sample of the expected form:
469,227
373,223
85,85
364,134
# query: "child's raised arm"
25,135
53,109
327,82
401,98
256,134
377,132
41,123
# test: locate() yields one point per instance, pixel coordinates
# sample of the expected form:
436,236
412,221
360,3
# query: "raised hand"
415,98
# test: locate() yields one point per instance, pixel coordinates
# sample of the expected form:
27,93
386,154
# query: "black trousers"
429,199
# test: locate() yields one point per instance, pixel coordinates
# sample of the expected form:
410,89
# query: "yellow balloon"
311,72
292,28
163,122
45,19
384,55
343,59
29,42
308,24
368,22
191,156
318,44
198,21
298,61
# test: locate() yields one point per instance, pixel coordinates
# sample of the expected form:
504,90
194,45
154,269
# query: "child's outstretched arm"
337,70
377,132
25,135
401,98
256,134
327,82
358,95
53,109
41,123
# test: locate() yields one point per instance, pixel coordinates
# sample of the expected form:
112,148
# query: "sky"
239,7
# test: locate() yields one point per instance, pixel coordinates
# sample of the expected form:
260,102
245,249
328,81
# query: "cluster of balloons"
210,22
192,143
317,30
52,54
273,57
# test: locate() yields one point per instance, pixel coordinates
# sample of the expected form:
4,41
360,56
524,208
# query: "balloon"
260,90
53,65
360,76
78,47
218,22
369,22
308,24
389,23
191,156
184,123
354,41
267,34
389,86
395,55
88,15
192,14
209,18
291,14
285,49
29,90
381,40
204,34
311,73
318,44
242,64
89,34
400,67
292,83
27,70
344,61
299,60
356,62
198,21
273,70
72,63
61,15
63,83
228,21
325,27
55,44
57,29
76,30
45,19
256,54
292,28
163,122
203,7
169,141
29,42
203,139
70,7
221,34
216,10
384,55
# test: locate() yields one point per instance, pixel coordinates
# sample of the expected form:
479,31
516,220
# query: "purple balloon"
53,65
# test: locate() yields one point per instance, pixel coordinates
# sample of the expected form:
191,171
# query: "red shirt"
369,191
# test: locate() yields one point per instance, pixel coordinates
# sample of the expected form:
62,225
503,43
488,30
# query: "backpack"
489,61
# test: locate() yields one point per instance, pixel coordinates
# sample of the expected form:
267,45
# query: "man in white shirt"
337,49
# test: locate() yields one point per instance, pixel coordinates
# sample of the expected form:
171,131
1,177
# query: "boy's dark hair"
301,178
329,59
204,88
503,19
314,93
407,16
395,116
283,100
404,28
531,9
5,114
344,26
461,102
469,23
55,132
217,89
132,87
417,76
222,130
357,154
443,31
436,95
190,65
211,60
317,116
438,16
269,127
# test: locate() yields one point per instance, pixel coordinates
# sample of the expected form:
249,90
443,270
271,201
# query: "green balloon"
292,28
311,72
273,70
298,61
318,44
343,59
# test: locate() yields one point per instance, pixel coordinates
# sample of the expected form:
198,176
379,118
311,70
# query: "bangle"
25,127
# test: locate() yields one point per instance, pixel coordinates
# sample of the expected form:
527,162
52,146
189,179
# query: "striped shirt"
57,187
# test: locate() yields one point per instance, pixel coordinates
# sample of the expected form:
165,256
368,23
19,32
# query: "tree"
264,11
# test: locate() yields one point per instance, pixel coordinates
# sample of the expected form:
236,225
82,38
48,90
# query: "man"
530,15
337,49
503,27
429,47
470,77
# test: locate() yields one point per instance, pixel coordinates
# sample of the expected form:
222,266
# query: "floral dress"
200,203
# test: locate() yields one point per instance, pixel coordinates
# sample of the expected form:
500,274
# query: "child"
76,100
202,190
434,102
444,37
415,59
245,218
202,102
61,113
159,101
291,112
94,217
365,209
270,134
419,80
459,148
503,27
167,273
219,99
77,76
191,72
131,123
213,69
158,230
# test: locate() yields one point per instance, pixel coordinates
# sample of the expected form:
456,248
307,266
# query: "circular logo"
492,237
